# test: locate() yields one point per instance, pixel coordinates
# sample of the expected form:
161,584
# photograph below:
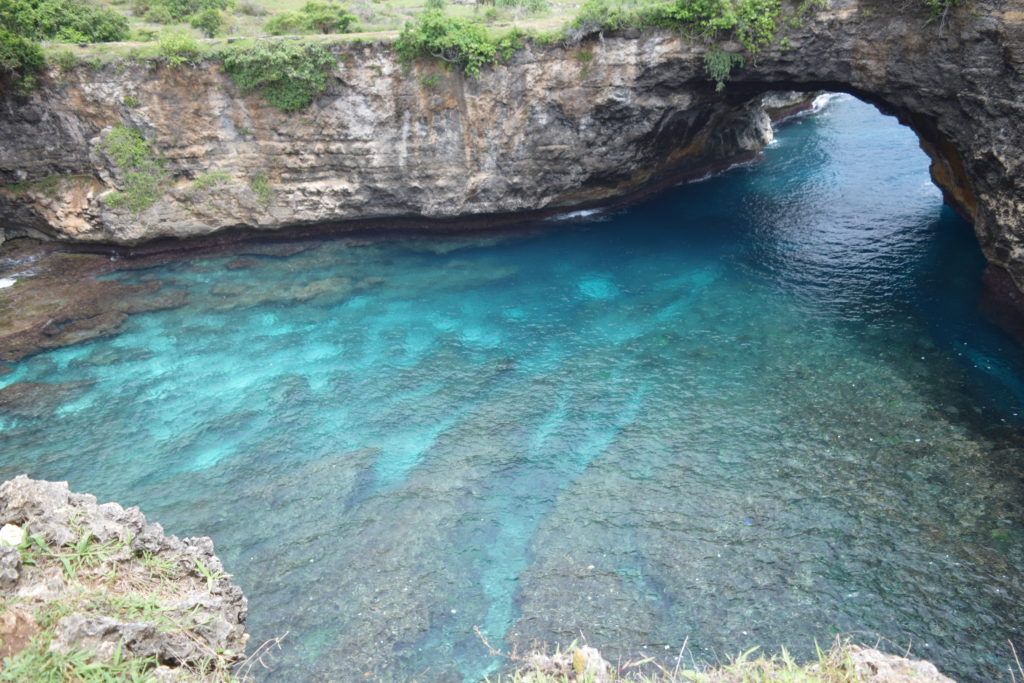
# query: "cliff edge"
92,589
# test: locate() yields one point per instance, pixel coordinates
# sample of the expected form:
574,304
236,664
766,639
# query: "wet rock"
105,356
240,263
64,302
784,104
235,295
38,399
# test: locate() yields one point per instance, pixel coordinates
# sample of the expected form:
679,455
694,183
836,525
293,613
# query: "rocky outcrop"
99,582
558,127
57,299
844,661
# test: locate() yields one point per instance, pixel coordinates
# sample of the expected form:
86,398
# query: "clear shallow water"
760,409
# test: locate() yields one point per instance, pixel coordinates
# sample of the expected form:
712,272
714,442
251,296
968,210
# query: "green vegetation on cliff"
288,73
142,173
751,22
468,37
466,44
20,60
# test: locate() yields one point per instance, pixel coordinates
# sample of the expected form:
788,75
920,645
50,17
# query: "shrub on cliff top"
454,40
288,73
210,21
314,17
178,47
171,11
65,21
751,22
20,60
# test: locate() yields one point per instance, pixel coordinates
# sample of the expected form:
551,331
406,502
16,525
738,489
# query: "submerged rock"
63,301
38,399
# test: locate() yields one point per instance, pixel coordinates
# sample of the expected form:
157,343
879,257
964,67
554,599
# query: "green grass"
106,579
205,181
211,577
37,663
260,184
48,185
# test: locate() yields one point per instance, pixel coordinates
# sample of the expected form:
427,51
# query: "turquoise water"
756,410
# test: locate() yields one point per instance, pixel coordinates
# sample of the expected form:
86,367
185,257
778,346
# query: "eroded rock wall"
549,130
557,127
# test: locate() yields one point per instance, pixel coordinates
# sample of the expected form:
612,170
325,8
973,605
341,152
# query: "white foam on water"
575,215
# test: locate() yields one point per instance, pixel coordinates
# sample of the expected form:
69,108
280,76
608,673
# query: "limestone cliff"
547,131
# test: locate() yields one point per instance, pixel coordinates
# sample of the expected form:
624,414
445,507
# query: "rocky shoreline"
96,587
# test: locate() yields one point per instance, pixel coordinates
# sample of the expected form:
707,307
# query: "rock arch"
542,133
959,85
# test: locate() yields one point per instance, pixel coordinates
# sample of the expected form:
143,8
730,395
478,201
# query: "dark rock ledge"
92,585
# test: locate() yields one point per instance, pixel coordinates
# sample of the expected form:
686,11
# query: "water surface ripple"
757,410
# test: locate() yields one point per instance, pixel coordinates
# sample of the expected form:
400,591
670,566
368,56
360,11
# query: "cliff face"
549,130
556,128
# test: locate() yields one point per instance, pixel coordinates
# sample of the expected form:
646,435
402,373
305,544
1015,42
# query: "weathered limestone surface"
200,622
871,666
547,131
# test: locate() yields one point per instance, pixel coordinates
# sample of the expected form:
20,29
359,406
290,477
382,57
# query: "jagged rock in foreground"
844,662
97,583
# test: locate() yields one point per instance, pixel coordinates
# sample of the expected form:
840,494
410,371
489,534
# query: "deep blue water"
761,409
